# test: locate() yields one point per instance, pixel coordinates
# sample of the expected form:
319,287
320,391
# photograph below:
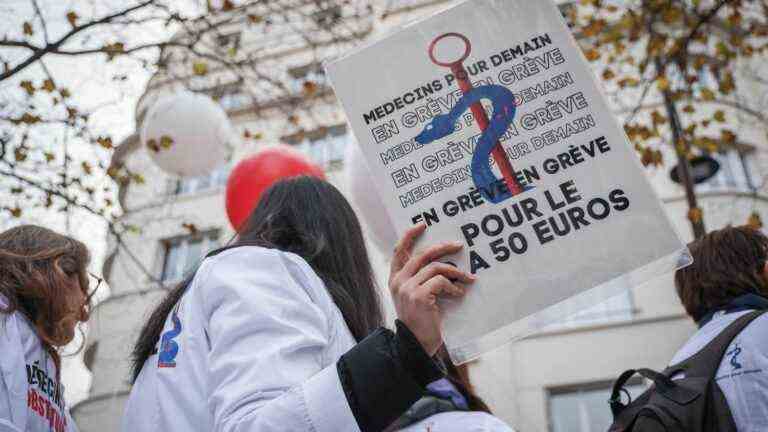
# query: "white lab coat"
743,372
459,421
31,398
256,345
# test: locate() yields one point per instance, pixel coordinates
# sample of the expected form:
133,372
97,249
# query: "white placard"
573,223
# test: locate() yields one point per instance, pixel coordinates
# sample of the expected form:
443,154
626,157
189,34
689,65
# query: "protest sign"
486,123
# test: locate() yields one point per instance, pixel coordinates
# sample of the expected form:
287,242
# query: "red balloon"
255,174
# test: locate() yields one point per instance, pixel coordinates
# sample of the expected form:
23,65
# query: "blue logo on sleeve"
734,353
168,347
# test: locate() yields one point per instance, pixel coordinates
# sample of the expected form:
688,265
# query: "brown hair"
727,263
38,268
459,377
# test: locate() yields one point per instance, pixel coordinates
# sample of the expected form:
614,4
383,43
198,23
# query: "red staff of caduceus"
478,112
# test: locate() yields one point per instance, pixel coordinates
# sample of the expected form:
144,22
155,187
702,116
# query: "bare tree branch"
49,47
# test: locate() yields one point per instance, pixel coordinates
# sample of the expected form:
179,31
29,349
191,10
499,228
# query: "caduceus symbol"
504,109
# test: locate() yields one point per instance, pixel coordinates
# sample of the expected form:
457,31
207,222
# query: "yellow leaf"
49,157
48,86
728,136
708,95
114,49
608,74
15,212
105,142
28,118
255,19
671,15
86,167
20,154
166,142
152,144
28,86
657,118
200,68
755,221
592,54
628,82
662,83
65,93
719,116
309,88
727,83
27,27
695,214
689,109
594,28
72,18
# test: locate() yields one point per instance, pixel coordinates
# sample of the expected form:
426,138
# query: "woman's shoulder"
256,258
247,262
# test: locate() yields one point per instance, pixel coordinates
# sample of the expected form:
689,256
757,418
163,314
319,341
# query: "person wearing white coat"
281,331
728,279
43,286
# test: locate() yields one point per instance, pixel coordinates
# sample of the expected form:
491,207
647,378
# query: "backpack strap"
706,362
664,386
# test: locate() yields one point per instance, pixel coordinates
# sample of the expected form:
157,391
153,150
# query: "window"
618,308
736,172
213,181
324,147
584,408
182,254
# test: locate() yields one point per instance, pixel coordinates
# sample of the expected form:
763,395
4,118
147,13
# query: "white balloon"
199,129
366,198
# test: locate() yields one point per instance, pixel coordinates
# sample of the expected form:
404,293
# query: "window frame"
737,173
210,240
325,146
216,180
587,387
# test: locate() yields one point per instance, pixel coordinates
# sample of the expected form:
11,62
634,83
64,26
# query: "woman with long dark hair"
281,330
43,296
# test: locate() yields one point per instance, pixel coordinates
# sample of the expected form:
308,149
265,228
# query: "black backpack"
694,403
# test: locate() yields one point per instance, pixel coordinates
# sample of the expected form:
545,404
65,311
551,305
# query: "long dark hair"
311,218
38,270
459,377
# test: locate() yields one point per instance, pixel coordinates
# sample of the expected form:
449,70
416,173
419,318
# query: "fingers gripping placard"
508,146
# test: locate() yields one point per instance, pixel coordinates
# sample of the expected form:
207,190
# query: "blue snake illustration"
504,111
168,347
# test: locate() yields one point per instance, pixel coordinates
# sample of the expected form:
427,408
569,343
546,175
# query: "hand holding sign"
416,281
